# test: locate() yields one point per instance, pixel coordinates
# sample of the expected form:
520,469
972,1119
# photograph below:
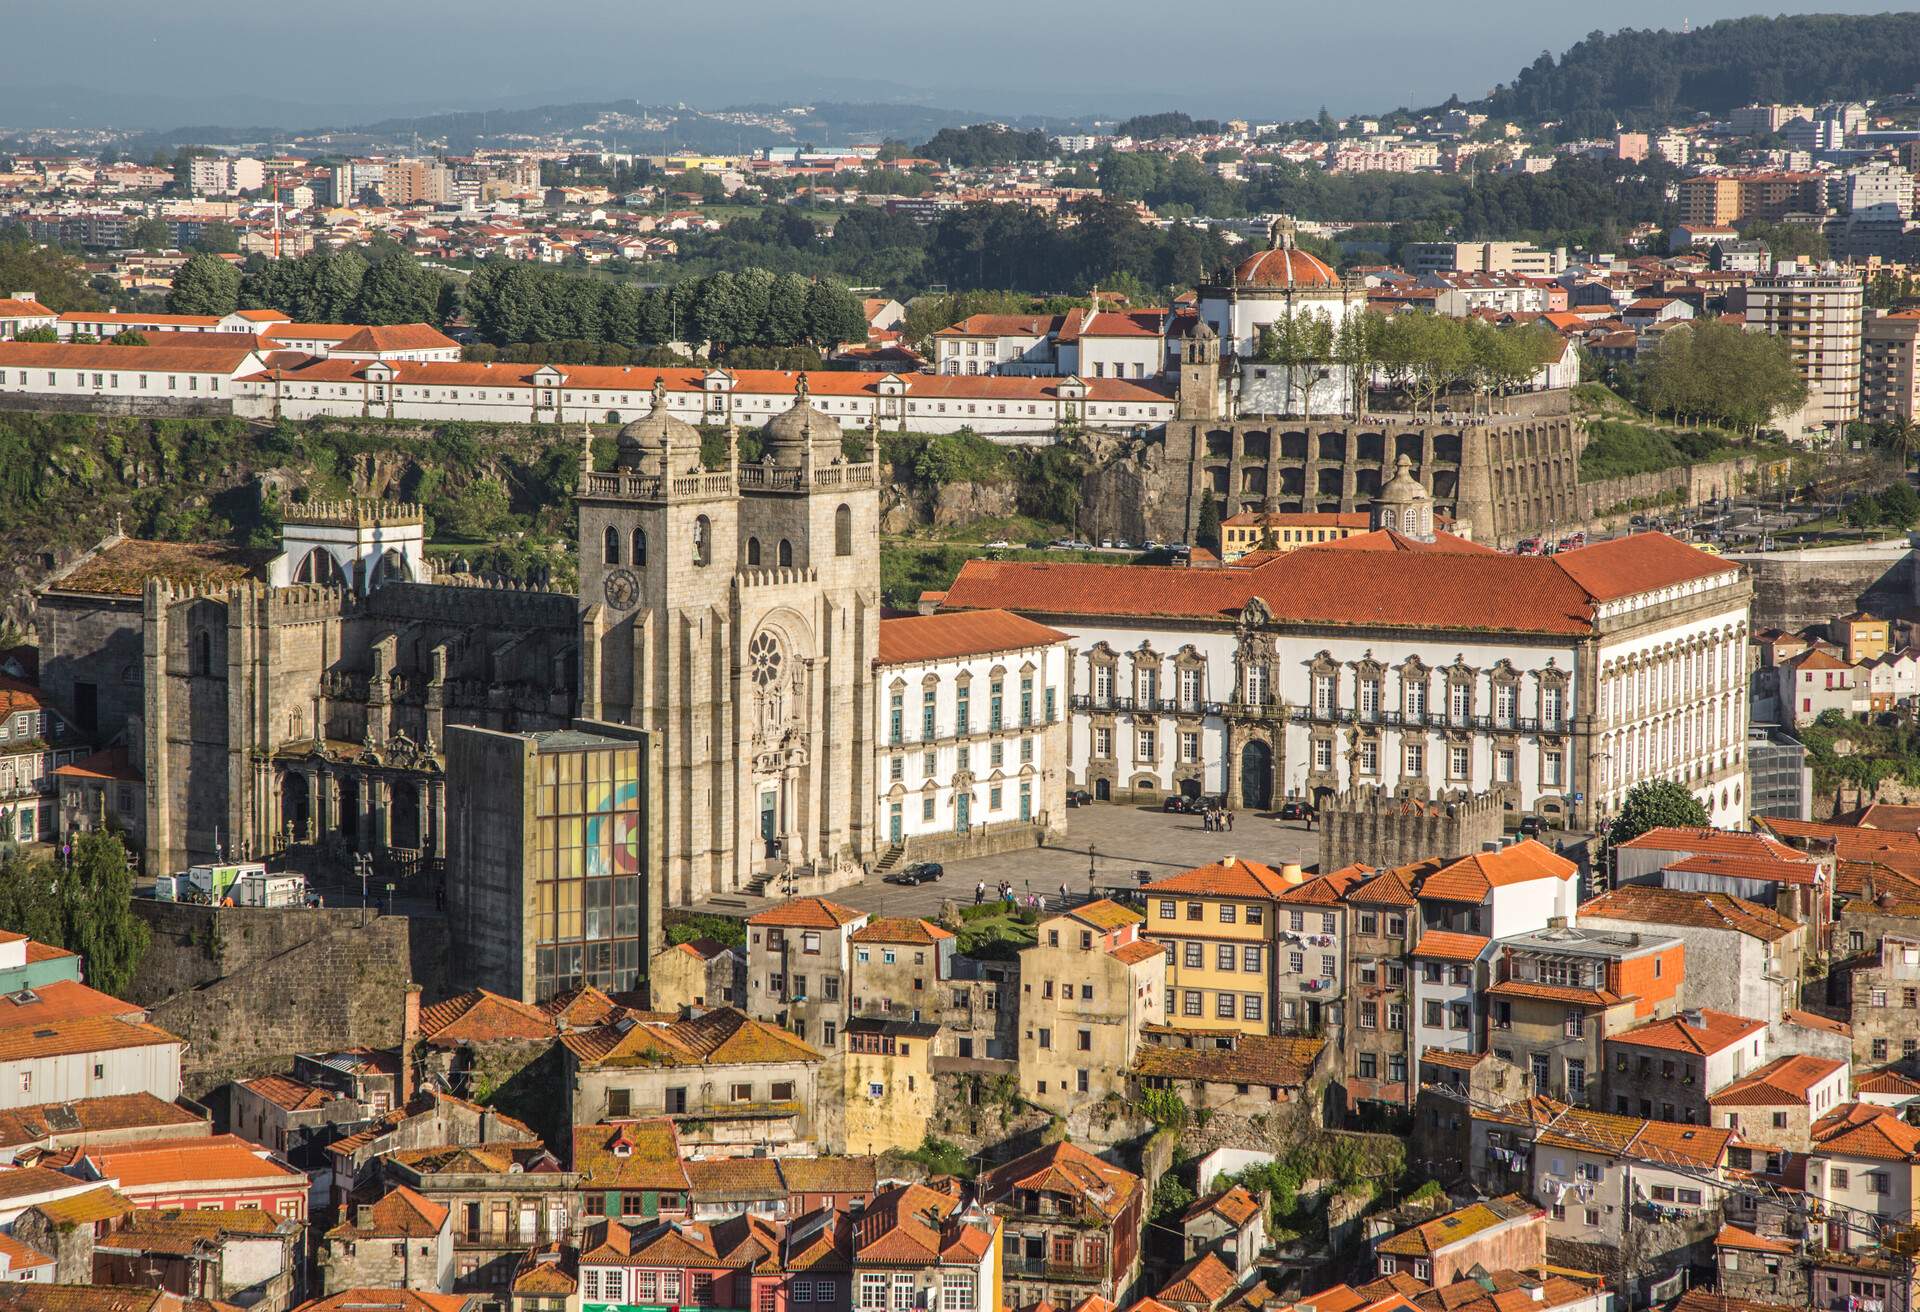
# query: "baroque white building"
973,728
1405,659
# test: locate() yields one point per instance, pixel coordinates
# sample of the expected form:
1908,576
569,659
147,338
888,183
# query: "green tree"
217,239
36,335
151,235
206,284
1298,341
96,902
476,512
127,337
834,316
29,895
1655,804
1206,532
397,289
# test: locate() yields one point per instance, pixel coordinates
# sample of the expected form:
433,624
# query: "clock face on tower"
622,589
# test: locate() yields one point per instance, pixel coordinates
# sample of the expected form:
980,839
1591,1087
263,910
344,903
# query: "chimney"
409,1041
1693,1017
1556,922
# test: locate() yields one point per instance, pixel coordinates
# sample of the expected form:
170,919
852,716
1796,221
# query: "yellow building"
1218,924
698,163
1865,637
889,1089
1252,530
1087,985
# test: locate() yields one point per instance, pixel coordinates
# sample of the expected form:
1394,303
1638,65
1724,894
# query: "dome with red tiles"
1285,266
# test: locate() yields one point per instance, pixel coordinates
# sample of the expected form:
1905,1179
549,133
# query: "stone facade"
744,601
1369,826
1507,475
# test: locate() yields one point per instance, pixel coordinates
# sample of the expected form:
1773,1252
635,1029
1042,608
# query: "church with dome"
734,611
1264,287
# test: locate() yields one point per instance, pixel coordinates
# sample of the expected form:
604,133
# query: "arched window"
1388,519
786,552
610,554
753,551
843,532
639,546
702,540
203,652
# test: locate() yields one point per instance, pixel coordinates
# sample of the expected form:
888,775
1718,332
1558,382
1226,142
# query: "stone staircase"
890,858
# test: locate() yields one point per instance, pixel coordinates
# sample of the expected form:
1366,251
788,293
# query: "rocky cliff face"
1122,494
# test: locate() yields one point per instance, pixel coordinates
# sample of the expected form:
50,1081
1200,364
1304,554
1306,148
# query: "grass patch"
994,934
724,930
910,566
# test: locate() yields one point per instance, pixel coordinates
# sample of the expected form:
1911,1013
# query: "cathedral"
265,700
735,613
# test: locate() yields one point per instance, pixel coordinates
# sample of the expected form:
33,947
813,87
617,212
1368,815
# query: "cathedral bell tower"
1199,396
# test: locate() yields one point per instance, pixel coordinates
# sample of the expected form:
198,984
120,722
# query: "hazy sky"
370,58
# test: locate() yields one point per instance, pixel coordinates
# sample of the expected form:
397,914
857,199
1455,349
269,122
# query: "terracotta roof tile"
807,913
910,930
1100,1188
400,1213
1785,1081
183,1161
1653,905
1717,1031
1203,1282
1732,1236
88,1034
84,1116
629,1155
122,568
828,1175
1105,914
225,361
921,639
1472,877
286,1093
1235,1205
721,1037
1227,877
389,1300
1447,945
1272,1061
482,1016
1431,1237
89,1208
1861,1130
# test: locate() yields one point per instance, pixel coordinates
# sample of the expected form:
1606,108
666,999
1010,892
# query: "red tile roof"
1732,1236
483,1016
901,929
225,361
1717,1031
1100,1189
1861,1130
919,639
1449,946
1653,905
223,1157
1783,1082
1471,878
807,913
1228,877
1353,582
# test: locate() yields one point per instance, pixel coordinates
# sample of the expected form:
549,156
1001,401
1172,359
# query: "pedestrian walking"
1229,822
980,892
1063,892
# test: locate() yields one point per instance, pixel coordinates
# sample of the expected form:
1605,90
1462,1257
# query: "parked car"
1297,811
1527,547
1532,826
1079,797
999,544
920,872
1181,804
1572,540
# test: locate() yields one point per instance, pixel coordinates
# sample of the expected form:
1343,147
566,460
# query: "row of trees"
1714,372
1426,355
512,301
321,287
83,904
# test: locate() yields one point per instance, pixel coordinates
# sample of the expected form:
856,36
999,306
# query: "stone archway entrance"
1256,775
1190,787
1102,790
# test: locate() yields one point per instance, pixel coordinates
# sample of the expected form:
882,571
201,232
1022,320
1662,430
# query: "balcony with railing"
1044,1268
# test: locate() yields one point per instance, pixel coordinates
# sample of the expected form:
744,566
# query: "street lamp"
363,866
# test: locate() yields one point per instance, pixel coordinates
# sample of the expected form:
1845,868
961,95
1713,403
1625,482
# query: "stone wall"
1792,589
248,987
1508,474
150,407
1374,828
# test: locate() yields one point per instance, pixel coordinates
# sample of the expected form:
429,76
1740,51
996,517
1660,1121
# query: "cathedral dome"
644,444
1404,504
799,426
1284,267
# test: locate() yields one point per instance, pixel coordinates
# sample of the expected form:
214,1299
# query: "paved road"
1125,840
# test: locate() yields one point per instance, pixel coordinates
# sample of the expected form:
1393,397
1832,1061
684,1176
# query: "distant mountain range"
1639,78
